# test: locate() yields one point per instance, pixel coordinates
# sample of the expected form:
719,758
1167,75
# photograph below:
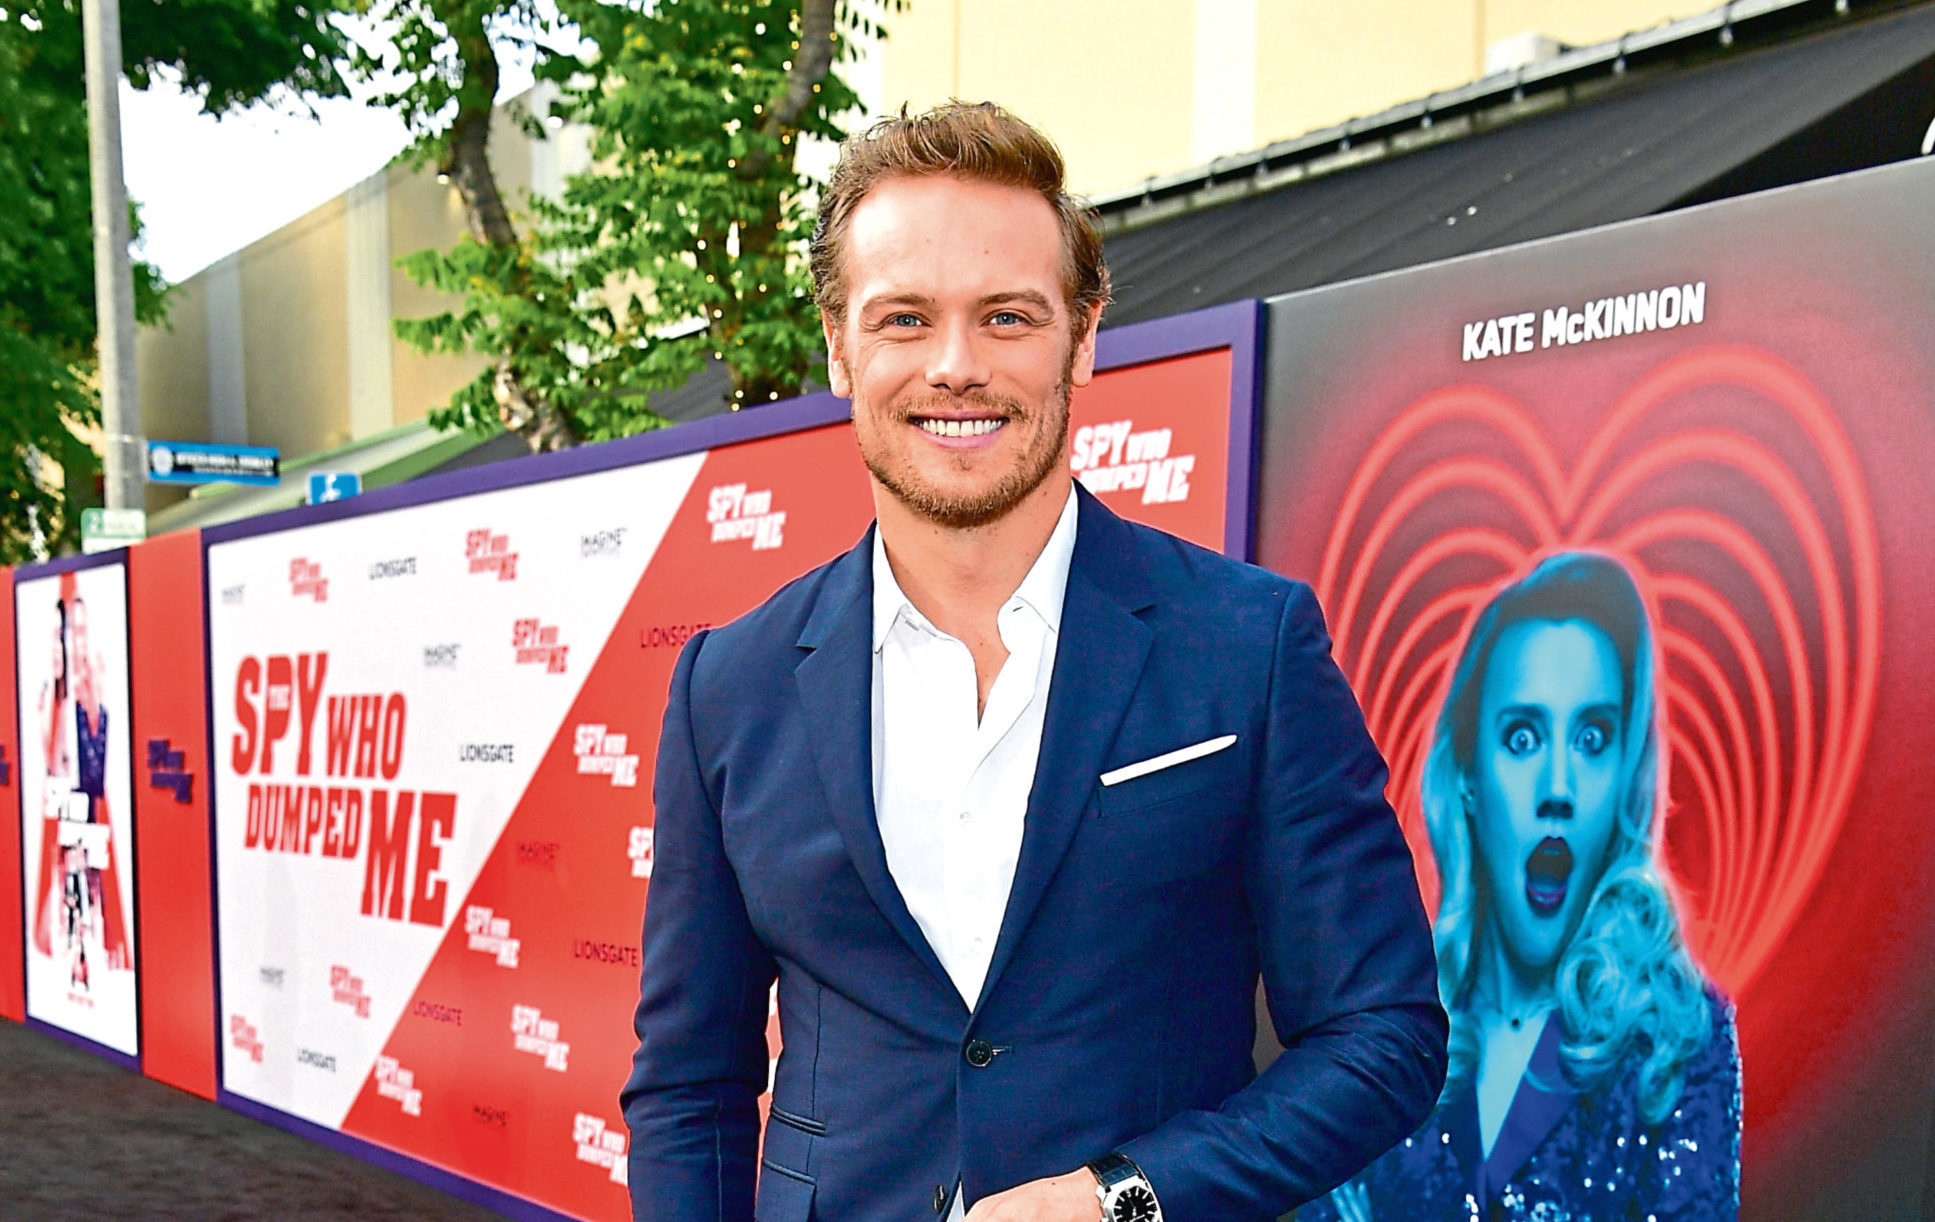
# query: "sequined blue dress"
1569,1156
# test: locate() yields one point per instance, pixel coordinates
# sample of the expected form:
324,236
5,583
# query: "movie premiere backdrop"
433,734
1681,463
76,815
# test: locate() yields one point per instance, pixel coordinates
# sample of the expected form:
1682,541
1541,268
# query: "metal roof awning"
1856,95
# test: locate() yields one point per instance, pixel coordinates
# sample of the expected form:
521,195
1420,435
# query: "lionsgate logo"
347,989
602,542
533,1033
491,934
600,1145
602,753
395,1082
1114,457
232,596
306,580
325,1061
403,566
736,513
440,657
639,850
271,976
489,553
243,1036
537,645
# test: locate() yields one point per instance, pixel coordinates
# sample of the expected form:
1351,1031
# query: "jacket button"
979,1053
940,1198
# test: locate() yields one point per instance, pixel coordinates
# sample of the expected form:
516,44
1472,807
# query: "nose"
957,364
1556,801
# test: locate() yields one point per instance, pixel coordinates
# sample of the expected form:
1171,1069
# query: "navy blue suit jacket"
1121,999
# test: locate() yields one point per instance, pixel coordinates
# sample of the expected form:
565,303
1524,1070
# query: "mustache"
941,404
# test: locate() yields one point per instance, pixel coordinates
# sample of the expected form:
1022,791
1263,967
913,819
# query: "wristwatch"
1124,1191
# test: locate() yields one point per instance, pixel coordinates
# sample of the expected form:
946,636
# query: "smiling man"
1015,801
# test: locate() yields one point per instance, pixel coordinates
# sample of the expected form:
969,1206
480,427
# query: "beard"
966,510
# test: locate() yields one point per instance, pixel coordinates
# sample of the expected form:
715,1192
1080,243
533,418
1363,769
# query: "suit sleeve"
1348,967
691,1100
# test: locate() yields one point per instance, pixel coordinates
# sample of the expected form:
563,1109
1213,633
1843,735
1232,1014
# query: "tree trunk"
466,160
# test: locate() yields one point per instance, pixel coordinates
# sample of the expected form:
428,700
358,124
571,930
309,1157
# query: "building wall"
1136,88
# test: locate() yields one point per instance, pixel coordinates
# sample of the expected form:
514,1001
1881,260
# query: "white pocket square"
1168,759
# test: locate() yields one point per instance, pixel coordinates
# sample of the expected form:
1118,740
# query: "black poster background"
1770,484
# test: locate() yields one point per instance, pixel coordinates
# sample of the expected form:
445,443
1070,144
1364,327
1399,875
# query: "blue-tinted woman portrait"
1594,1072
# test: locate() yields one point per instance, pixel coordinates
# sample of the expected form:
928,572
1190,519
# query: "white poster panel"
77,803
384,687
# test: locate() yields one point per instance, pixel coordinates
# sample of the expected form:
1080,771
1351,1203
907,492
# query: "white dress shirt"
950,790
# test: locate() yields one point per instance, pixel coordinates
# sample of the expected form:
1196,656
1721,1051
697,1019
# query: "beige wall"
424,214
1114,80
1110,79
295,341
171,368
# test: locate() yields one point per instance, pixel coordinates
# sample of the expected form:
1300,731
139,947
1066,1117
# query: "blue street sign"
199,462
327,486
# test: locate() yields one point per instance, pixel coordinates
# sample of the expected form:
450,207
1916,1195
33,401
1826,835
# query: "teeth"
960,428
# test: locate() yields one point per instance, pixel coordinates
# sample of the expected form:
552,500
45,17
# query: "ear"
1466,797
1082,369
837,379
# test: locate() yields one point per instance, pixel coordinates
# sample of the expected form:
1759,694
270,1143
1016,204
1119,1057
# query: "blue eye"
903,320
1521,738
1594,737
1006,318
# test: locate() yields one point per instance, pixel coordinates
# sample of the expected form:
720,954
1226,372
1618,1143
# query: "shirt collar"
1043,589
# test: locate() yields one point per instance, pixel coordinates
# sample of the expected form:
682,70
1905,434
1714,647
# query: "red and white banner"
76,807
434,735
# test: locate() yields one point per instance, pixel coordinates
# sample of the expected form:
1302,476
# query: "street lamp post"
123,459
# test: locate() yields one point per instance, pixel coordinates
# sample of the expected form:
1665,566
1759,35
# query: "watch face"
1134,1204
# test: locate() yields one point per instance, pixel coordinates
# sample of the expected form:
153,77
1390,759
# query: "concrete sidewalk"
83,1139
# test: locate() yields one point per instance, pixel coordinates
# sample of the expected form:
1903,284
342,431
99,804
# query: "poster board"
76,800
1733,406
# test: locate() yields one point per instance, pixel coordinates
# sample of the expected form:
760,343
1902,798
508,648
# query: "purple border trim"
428,1174
69,564
132,1063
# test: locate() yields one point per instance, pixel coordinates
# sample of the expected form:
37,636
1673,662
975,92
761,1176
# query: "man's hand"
1062,1198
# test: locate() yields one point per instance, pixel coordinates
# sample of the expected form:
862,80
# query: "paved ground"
81,1139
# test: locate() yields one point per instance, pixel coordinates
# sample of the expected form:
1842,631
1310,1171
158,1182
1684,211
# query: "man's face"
957,349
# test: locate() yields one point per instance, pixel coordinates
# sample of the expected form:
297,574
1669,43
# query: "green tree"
686,241
232,52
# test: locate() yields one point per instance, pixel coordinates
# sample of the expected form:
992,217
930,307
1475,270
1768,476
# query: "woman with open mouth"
1594,1072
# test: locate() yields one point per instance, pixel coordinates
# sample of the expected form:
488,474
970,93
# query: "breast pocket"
1219,771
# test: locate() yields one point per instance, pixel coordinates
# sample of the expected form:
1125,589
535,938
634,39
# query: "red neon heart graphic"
1753,542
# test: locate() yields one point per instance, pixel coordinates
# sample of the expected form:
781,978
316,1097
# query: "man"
1015,799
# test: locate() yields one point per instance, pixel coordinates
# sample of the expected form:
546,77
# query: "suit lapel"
835,683
1099,654
1541,1101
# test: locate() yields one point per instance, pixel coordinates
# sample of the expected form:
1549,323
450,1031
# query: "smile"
957,428
1547,871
